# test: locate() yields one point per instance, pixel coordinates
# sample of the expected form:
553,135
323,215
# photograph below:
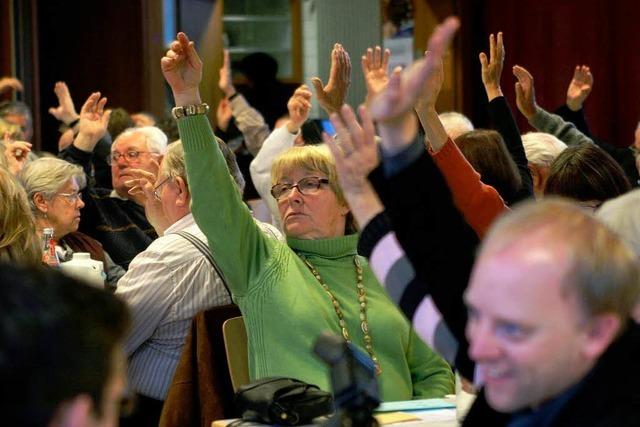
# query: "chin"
504,402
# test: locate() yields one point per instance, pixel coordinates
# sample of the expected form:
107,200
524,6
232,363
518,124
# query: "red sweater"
479,203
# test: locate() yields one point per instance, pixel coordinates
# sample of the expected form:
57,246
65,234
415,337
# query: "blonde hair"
19,242
47,175
604,271
312,158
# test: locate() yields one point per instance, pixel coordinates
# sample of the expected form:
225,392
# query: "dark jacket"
608,396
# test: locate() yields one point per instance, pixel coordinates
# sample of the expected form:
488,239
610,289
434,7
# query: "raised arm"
234,238
577,92
332,96
500,112
279,140
540,119
249,120
65,112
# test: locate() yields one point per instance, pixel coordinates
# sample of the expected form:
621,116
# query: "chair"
235,346
201,390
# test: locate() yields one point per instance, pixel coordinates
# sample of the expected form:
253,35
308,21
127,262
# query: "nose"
294,196
80,204
483,345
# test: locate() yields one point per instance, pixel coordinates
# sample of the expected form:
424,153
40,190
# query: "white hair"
622,216
455,124
542,148
47,175
156,139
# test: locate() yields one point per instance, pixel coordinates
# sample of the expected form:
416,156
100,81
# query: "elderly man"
114,217
171,281
61,358
549,324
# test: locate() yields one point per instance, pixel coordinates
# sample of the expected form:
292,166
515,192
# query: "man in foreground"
61,356
549,323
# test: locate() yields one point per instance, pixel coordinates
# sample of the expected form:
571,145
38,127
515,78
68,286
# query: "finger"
104,121
141,173
100,106
385,59
483,61
377,57
369,59
227,60
442,36
363,65
519,93
500,47
353,126
192,55
318,86
89,103
492,48
367,124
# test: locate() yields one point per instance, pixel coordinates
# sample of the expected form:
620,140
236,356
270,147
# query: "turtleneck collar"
333,248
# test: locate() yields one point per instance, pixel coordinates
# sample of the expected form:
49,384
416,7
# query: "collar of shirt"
181,224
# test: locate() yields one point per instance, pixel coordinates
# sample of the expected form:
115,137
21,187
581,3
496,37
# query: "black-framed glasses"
129,156
71,198
308,185
156,189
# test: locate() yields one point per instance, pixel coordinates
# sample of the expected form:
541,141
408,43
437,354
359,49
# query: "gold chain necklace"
362,300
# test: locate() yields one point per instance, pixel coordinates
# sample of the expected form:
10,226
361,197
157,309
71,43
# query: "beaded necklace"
362,300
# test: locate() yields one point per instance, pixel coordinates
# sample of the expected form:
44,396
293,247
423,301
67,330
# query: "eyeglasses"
71,198
156,189
129,156
305,186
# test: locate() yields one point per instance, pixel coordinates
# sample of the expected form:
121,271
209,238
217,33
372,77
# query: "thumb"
52,111
105,118
317,85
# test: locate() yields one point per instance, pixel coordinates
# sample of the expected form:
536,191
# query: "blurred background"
115,47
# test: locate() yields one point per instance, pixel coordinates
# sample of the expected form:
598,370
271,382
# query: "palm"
432,87
376,80
578,89
181,66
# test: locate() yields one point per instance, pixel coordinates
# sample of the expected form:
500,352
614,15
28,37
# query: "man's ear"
183,197
41,203
76,412
601,332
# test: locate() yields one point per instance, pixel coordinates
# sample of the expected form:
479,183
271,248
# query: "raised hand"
143,189
16,153
224,114
225,83
332,96
356,155
432,87
375,64
354,147
66,110
525,92
182,69
93,122
492,67
579,87
10,83
299,106
405,87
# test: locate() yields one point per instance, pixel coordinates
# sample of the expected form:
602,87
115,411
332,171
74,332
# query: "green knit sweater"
283,305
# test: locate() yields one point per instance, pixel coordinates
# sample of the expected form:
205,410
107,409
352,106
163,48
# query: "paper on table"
395,417
415,405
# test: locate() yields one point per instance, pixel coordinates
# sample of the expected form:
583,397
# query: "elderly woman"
53,190
290,293
18,239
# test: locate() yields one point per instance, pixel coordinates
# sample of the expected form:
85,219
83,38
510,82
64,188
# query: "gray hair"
542,148
155,138
173,162
47,175
622,216
455,124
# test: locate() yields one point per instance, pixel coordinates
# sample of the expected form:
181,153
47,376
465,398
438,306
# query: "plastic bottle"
49,255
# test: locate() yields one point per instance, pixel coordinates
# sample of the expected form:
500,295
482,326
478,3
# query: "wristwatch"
189,110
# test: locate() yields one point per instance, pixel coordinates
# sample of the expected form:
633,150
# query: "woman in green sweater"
290,292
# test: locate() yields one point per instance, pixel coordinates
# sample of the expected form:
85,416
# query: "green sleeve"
238,246
430,374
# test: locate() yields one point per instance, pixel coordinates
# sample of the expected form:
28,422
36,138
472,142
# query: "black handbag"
282,401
